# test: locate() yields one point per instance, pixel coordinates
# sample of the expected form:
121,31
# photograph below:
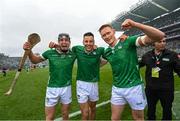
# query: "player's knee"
65,115
85,114
138,116
93,109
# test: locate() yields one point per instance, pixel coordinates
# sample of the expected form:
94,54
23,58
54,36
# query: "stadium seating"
162,14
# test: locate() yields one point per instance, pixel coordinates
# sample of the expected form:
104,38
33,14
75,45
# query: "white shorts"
135,96
55,95
87,91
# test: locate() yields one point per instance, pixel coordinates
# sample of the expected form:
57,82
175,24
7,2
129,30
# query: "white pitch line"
174,113
106,102
79,112
176,92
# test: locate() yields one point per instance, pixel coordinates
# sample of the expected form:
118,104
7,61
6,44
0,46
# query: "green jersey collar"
88,52
61,52
114,45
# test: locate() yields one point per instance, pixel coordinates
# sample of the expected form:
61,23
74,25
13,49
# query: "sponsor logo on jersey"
63,56
119,47
94,53
55,55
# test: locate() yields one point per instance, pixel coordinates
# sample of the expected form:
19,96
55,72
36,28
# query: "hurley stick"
33,39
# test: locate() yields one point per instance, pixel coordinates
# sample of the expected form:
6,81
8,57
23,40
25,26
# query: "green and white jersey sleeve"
88,63
60,67
124,63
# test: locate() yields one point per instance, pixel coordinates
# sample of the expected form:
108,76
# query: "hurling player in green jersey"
89,59
61,62
127,84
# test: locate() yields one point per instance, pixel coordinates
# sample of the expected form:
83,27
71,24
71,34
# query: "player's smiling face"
108,35
64,44
88,42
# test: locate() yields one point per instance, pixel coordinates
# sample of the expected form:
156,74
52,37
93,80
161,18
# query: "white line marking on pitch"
79,112
106,102
174,113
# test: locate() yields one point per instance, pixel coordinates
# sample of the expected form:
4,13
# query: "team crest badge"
119,47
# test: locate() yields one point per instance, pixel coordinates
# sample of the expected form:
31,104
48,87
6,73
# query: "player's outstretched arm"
151,34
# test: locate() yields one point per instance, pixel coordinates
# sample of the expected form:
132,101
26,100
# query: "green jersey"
88,63
124,63
60,67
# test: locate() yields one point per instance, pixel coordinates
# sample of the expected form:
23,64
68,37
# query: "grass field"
27,100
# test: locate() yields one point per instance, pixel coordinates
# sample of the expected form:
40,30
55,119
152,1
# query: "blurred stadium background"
163,14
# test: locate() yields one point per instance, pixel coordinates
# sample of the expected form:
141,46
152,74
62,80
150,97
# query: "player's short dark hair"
88,34
63,35
105,25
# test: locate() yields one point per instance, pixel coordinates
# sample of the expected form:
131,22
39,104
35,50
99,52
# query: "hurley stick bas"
33,38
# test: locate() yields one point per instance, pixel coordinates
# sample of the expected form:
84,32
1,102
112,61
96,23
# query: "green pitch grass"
27,100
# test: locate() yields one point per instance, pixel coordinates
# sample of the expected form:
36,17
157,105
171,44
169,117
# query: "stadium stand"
13,62
8,62
162,14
